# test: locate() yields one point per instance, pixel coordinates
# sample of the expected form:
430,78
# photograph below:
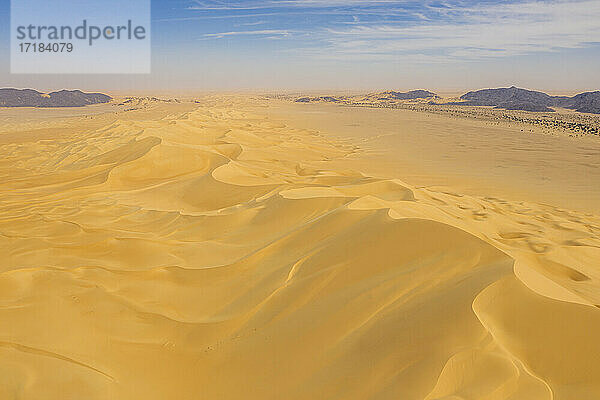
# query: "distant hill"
588,102
511,98
412,95
325,99
389,95
514,98
62,98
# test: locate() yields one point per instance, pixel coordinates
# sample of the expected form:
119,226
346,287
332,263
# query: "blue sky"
356,44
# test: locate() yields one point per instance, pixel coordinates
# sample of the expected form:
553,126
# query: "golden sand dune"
219,254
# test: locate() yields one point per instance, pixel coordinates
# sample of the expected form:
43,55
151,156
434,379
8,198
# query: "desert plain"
249,247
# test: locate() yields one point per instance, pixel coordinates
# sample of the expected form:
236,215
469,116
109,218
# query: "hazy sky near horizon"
354,44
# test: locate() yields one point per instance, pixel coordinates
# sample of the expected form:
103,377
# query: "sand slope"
219,254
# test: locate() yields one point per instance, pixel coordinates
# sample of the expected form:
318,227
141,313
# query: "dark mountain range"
412,95
511,98
326,99
378,96
514,98
588,102
62,98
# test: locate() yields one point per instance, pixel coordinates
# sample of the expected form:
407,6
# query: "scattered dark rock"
524,106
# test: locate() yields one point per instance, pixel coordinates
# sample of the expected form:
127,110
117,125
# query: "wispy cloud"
257,5
415,30
479,32
254,23
265,32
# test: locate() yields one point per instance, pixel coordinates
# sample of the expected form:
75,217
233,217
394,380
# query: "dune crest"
215,253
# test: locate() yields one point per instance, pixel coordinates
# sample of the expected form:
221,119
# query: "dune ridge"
217,253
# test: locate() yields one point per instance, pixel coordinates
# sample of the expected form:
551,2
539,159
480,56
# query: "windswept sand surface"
476,155
215,253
